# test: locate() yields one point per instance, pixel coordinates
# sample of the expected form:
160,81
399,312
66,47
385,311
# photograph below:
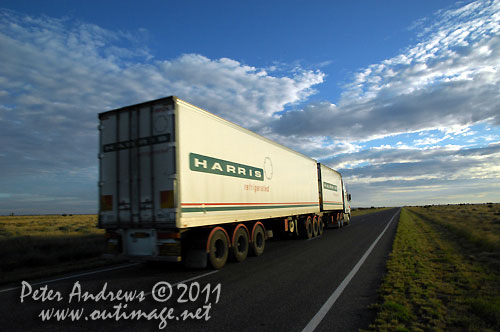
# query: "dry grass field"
39,246
361,211
36,246
444,271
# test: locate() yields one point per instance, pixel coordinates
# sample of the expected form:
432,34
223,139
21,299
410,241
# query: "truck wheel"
347,219
240,244
315,226
258,240
321,226
218,249
307,227
329,222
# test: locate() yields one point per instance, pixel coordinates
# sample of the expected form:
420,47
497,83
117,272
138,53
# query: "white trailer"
334,199
178,183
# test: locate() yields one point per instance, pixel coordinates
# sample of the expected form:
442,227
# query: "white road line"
190,279
335,295
74,276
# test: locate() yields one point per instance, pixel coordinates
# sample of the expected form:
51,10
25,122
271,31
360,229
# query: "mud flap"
196,259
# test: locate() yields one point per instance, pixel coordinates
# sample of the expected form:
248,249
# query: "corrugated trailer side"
229,174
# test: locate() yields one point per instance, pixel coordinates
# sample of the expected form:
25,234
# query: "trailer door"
137,166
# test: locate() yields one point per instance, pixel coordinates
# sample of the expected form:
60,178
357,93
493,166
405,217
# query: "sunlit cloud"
450,79
58,74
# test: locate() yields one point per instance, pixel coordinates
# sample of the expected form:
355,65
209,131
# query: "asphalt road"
297,285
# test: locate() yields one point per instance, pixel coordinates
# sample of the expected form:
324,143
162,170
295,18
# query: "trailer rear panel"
137,166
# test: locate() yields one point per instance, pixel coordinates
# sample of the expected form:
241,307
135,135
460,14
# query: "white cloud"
438,88
448,80
57,74
448,174
491,138
446,163
433,139
314,146
421,192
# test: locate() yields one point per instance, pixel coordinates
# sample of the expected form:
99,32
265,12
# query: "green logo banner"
329,186
200,163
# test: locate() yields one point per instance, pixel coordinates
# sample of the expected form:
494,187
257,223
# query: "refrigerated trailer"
178,183
333,197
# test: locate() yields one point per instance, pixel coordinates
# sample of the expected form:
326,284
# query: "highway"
323,284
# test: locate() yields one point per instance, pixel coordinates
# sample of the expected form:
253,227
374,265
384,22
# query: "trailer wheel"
315,226
347,219
258,240
321,226
240,243
307,226
218,249
329,220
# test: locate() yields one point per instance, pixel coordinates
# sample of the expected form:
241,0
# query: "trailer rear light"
167,199
170,249
168,235
106,202
169,243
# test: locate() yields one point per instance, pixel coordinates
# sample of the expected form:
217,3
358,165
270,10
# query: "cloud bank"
449,79
57,74
447,83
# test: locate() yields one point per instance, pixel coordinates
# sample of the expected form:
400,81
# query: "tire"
218,249
347,219
329,222
321,226
307,228
315,226
258,241
240,244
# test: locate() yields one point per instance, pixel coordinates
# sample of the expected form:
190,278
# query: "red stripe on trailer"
195,204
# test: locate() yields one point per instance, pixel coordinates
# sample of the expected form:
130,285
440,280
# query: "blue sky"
403,97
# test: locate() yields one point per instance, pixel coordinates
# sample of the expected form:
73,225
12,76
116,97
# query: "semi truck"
178,183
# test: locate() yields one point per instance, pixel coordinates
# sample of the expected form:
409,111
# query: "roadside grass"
434,280
36,246
48,225
362,211
477,224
